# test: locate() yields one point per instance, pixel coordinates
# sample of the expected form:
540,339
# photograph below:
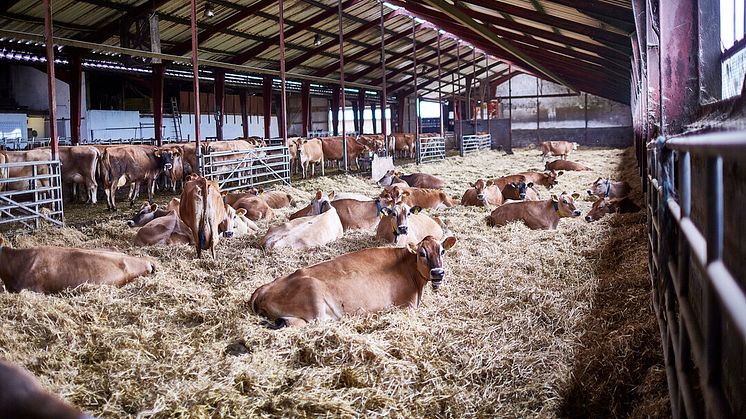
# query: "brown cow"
374,142
79,168
311,152
333,149
404,144
353,213
607,188
3,172
604,206
203,210
256,208
537,215
519,191
417,197
168,229
21,396
403,225
415,180
148,212
566,165
369,280
293,150
131,165
173,166
275,199
557,148
482,193
391,179
25,171
53,269
321,227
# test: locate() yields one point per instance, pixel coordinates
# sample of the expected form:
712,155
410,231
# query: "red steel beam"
283,94
357,31
335,110
51,81
195,83
219,102
429,79
242,99
410,65
252,52
159,71
112,28
184,46
383,83
393,57
305,106
361,109
267,103
76,85
7,5
342,76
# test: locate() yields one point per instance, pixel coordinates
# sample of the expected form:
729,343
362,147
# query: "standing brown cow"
79,168
557,148
311,152
203,211
130,165
333,149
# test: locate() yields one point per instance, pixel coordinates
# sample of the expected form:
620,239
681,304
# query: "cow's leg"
134,192
322,166
111,196
151,190
303,169
91,188
281,322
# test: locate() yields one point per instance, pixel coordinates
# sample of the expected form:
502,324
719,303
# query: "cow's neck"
553,211
417,280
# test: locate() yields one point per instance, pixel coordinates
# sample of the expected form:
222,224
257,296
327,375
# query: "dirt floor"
527,323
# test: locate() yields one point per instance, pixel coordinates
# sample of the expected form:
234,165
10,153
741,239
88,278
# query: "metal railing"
430,149
31,192
474,143
239,169
700,305
28,144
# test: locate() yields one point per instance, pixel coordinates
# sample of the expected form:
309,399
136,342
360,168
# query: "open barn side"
527,324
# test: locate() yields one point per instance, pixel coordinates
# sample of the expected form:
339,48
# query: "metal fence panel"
431,149
474,143
40,198
239,169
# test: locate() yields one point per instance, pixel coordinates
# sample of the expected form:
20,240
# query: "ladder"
176,118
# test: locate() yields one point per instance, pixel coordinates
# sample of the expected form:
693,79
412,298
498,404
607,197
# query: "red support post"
158,76
399,114
373,116
76,85
335,110
361,110
473,82
219,103
283,94
242,99
305,107
342,81
51,91
383,82
195,83
267,102
355,121
440,90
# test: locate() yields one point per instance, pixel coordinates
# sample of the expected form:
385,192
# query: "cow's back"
305,232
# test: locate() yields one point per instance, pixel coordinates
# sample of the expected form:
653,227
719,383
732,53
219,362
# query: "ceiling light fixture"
208,10
317,40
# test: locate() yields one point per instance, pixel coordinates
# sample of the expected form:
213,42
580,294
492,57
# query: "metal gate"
474,143
700,305
430,149
239,169
33,195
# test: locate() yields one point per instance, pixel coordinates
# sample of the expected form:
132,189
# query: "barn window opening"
733,46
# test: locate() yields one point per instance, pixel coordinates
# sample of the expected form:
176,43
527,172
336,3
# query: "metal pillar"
267,103
373,116
159,71
538,137
473,100
76,82
416,102
283,94
458,105
242,99
342,80
195,84
585,108
383,82
51,91
361,110
335,110
219,103
485,101
510,107
305,107
355,115
440,90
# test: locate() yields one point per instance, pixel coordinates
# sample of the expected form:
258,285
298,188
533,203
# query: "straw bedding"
527,324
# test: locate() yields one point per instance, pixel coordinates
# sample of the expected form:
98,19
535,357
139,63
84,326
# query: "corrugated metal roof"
586,45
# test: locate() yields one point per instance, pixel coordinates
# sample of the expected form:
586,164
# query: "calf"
311,152
365,281
321,227
21,396
557,148
417,197
403,225
203,210
604,206
168,229
79,165
148,212
566,165
607,188
53,269
482,193
537,215
519,191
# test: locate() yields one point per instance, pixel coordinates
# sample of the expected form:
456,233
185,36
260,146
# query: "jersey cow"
566,165
322,226
333,149
53,269
25,171
354,214
604,206
417,197
311,152
131,165
168,229
403,225
482,193
537,215
520,191
557,148
203,210
415,180
79,169
148,212
607,188
365,281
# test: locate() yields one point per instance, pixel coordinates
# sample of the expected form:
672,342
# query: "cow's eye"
423,253
442,252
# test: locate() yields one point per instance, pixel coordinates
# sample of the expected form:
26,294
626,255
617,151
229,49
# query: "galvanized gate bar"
43,190
430,149
474,143
239,169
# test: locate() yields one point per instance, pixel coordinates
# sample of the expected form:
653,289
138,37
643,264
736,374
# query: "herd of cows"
368,280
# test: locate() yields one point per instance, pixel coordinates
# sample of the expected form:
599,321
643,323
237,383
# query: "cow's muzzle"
436,277
522,196
589,192
130,223
228,234
576,213
402,229
168,166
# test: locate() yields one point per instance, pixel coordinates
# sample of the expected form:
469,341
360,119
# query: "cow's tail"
203,223
105,171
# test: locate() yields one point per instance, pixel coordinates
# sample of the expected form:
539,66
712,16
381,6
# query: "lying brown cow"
369,280
353,213
546,179
519,191
256,208
274,199
322,226
604,206
415,180
148,212
417,197
53,269
168,229
607,188
566,165
557,148
79,169
402,225
203,210
537,215
21,396
482,193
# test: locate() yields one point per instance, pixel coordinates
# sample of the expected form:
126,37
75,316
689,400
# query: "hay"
521,314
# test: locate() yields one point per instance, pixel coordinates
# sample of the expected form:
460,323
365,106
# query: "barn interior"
640,315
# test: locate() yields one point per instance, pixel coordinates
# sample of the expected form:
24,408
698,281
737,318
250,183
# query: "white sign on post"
380,166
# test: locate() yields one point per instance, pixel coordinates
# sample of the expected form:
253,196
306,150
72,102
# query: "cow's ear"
575,195
331,196
405,193
560,173
415,210
153,207
473,185
449,242
387,211
260,191
490,182
224,193
157,152
177,152
412,248
241,211
554,198
318,195
530,184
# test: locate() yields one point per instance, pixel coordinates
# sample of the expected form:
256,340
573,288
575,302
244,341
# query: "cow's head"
228,225
397,217
430,258
387,179
167,157
393,195
574,146
144,215
241,224
600,187
516,190
549,178
321,203
255,191
564,204
601,207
